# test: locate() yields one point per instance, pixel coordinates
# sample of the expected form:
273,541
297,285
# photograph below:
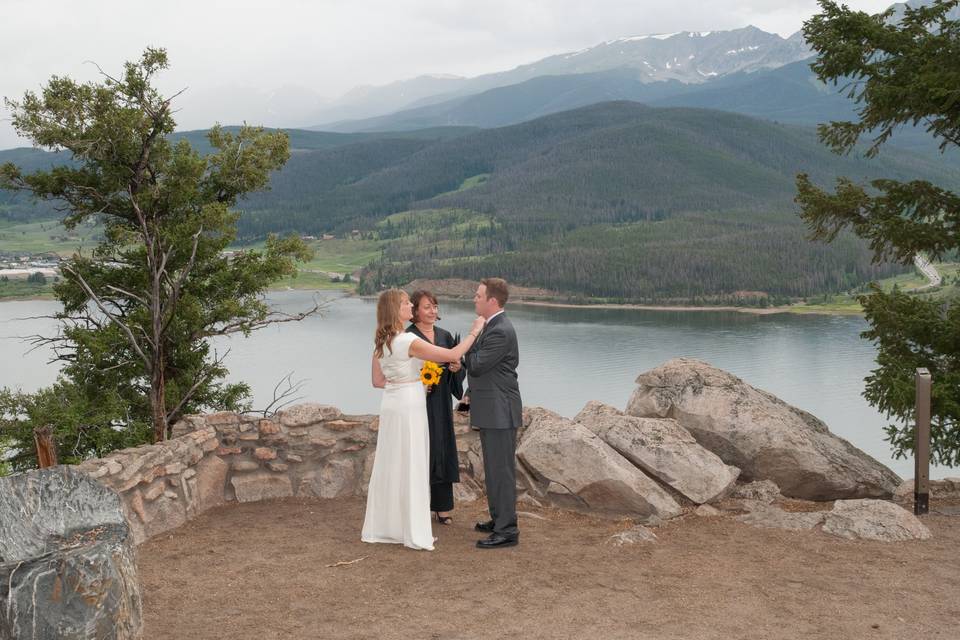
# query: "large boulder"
67,565
663,450
852,519
873,520
573,468
759,433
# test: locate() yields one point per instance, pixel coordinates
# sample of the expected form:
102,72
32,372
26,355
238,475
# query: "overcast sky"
225,53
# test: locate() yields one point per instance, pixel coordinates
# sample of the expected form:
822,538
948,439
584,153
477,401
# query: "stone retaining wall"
307,450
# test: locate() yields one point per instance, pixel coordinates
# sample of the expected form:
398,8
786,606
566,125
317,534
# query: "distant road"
928,271
23,273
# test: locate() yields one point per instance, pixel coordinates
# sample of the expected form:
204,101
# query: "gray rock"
663,450
945,489
367,472
338,477
635,535
759,433
67,559
575,469
303,415
706,511
162,515
245,465
772,517
211,482
873,520
261,485
467,491
763,491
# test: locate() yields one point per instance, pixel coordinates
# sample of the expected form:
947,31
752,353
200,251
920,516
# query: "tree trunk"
158,405
46,447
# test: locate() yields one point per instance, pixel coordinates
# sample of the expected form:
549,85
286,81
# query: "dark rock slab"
67,564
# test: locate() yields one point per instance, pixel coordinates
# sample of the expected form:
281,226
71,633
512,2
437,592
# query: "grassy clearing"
469,183
21,289
335,256
909,282
46,236
338,256
311,280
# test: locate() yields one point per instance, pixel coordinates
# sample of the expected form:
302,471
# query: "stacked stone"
161,485
471,486
307,450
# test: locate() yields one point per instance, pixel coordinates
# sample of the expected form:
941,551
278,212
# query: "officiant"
444,464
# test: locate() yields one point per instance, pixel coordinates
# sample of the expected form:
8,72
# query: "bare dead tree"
285,398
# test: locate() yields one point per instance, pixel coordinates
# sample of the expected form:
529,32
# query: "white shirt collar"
495,315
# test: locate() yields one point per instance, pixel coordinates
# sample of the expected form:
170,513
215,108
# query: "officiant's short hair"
497,288
419,295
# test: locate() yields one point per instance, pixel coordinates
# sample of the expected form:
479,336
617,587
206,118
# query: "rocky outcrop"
852,519
945,489
663,450
67,566
873,520
573,468
760,434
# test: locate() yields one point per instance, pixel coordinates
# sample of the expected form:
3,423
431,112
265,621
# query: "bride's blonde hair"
388,320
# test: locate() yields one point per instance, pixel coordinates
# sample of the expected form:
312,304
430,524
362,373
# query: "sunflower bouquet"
430,374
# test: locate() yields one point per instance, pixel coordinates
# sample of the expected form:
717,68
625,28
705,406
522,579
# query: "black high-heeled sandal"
443,519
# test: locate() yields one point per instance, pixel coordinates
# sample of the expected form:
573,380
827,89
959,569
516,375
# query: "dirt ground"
264,571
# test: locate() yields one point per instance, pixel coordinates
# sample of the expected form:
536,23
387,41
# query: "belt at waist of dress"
401,384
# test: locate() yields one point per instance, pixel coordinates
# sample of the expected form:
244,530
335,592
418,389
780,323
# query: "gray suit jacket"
491,365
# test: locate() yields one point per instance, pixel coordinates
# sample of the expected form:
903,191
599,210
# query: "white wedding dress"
398,498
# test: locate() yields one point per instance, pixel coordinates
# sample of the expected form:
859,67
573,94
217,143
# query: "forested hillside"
612,162
616,200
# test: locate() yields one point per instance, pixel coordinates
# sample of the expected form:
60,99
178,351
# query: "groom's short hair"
497,288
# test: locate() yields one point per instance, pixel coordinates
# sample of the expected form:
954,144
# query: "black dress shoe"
496,540
486,527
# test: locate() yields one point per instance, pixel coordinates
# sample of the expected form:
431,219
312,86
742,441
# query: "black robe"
444,464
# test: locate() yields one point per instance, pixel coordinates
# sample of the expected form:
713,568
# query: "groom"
495,409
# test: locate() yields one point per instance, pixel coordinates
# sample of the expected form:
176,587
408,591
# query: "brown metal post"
46,448
921,446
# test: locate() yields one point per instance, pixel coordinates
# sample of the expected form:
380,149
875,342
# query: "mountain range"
613,161
684,57
644,168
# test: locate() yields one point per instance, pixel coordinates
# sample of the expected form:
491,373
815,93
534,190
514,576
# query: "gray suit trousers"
500,476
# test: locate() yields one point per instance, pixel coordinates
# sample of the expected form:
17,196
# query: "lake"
567,356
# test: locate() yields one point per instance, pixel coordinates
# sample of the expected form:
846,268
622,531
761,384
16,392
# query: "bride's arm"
426,351
376,375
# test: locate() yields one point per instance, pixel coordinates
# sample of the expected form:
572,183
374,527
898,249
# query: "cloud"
245,48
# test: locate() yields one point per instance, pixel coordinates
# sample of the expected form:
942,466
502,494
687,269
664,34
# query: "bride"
398,498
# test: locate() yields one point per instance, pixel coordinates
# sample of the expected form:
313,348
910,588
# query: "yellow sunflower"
430,373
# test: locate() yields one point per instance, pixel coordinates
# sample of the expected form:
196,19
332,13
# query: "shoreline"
758,311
